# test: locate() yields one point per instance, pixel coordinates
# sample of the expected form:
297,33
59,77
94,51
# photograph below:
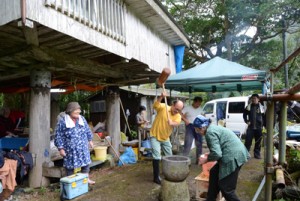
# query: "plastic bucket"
136,152
100,153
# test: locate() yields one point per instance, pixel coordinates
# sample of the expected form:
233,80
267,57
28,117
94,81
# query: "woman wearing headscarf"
229,152
73,138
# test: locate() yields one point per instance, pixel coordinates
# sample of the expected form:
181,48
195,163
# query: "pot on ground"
176,168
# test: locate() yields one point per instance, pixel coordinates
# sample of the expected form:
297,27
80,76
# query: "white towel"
261,107
70,123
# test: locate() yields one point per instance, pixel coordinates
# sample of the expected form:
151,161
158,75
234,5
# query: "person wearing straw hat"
229,152
73,138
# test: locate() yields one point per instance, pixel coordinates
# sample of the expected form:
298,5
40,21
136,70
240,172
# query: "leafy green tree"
294,66
269,54
77,96
221,28
218,27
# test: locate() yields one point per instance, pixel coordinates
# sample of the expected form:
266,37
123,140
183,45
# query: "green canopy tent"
217,75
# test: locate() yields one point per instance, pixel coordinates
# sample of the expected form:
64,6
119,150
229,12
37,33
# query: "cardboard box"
73,185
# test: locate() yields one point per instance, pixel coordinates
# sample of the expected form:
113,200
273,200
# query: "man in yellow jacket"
162,129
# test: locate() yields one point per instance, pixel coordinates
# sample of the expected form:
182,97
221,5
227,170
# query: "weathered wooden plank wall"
146,44
48,16
9,10
141,42
105,16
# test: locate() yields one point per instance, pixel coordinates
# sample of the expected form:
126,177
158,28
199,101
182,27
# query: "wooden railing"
105,16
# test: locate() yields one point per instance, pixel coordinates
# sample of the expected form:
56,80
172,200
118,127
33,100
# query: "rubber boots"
156,177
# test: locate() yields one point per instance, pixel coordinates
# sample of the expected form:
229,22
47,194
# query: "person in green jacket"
229,152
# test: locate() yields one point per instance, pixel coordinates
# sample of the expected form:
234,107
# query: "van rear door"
209,111
234,117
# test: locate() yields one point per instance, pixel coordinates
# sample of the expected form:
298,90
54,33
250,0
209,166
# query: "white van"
228,111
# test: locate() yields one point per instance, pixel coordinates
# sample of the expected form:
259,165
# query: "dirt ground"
134,183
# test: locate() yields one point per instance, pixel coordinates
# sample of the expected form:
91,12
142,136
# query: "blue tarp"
179,53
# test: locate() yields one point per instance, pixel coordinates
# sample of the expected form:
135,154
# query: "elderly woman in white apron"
73,138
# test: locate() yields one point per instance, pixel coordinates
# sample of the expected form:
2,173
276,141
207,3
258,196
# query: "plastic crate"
13,143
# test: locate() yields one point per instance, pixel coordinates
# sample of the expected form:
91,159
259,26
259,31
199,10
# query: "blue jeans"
190,135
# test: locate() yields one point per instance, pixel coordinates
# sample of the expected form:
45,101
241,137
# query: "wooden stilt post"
113,117
39,125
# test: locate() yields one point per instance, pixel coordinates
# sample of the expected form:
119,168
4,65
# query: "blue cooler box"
73,185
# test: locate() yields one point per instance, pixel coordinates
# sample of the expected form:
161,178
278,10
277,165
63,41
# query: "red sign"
249,77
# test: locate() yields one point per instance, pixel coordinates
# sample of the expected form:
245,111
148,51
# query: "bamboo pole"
107,138
280,178
294,89
269,150
294,54
124,115
282,133
280,97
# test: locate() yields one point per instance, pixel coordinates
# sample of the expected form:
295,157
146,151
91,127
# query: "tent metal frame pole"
190,94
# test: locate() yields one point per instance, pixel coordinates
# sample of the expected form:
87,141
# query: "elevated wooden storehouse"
81,44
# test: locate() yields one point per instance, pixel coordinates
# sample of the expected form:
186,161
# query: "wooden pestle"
161,82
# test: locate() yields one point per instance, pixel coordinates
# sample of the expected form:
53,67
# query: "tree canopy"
245,31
